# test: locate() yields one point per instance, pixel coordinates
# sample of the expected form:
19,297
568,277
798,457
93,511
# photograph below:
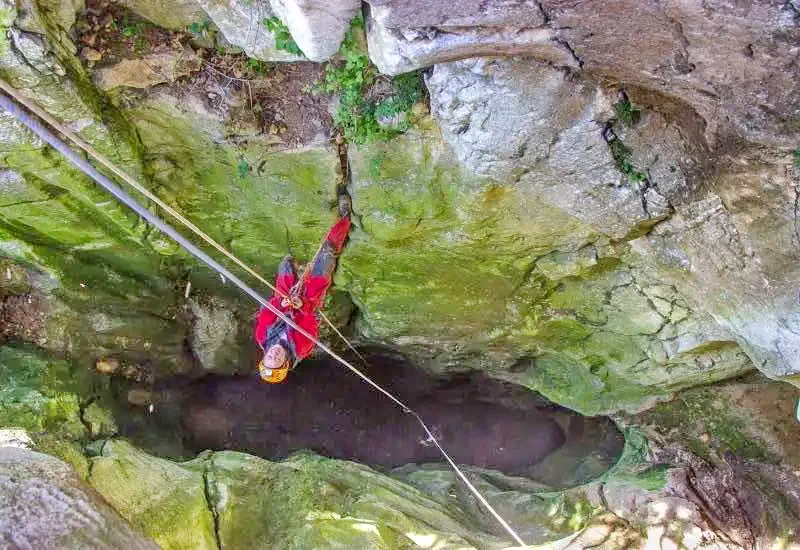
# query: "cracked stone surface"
731,63
44,504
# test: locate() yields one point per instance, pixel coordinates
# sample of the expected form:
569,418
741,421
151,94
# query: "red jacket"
315,284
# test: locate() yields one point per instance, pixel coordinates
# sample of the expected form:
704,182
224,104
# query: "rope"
124,176
49,138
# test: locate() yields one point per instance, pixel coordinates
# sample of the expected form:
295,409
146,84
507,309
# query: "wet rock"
140,397
44,504
147,71
242,24
318,26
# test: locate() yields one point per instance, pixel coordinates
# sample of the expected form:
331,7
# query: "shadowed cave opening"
481,421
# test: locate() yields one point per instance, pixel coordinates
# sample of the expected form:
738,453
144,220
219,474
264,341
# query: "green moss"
70,452
159,498
38,394
623,160
709,424
306,501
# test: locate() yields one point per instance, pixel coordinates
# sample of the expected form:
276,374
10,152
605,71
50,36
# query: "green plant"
200,29
257,66
244,168
622,156
352,78
283,38
141,45
797,158
129,31
626,112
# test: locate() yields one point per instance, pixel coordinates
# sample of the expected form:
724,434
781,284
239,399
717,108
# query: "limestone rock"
214,330
148,71
397,51
44,504
554,151
177,15
235,500
712,57
158,497
318,26
242,24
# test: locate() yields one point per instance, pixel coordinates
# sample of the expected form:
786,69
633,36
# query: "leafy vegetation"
257,66
622,156
353,79
243,167
283,38
626,112
200,29
797,158
141,45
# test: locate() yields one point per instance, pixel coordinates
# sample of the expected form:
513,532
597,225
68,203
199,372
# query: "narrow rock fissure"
210,499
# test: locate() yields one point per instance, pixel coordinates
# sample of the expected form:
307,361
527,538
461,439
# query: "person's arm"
284,281
265,320
309,322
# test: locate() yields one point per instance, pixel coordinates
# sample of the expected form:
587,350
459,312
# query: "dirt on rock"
22,318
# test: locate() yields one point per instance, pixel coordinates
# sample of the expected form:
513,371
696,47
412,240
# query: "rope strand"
122,196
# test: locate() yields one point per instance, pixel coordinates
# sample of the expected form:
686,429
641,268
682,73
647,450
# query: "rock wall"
595,201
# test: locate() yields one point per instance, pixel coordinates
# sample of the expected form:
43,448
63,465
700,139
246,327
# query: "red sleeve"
308,322
265,320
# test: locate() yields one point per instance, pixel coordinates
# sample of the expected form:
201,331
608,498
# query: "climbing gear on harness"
292,301
48,137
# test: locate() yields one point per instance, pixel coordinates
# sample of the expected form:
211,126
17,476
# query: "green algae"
233,500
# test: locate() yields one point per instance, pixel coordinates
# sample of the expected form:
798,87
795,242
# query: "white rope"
122,196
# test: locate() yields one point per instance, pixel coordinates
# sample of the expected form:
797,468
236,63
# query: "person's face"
275,357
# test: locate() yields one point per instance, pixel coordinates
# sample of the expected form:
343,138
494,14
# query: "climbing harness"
48,137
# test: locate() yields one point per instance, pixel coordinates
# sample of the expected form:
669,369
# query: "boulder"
177,16
44,504
149,70
233,500
242,23
318,26
214,331
397,47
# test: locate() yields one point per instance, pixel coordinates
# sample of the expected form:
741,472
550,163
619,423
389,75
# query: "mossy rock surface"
233,500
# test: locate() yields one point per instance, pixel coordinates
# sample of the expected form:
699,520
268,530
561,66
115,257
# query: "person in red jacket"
301,300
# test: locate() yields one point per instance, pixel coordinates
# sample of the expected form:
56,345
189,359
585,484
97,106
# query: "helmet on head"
274,367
